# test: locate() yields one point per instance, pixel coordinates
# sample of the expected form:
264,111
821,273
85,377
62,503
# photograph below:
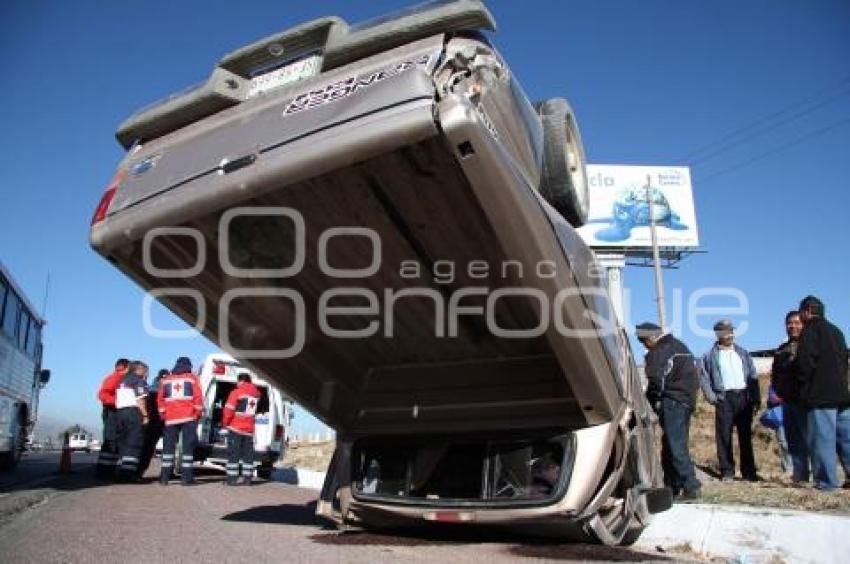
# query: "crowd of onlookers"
808,400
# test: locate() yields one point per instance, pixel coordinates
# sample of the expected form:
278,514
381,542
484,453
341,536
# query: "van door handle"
230,166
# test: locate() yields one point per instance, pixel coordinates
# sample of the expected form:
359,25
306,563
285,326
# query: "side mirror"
44,377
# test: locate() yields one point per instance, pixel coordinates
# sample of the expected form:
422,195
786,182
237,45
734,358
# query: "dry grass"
776,490
310,456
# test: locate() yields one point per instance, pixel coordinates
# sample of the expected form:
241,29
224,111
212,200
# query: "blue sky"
652,82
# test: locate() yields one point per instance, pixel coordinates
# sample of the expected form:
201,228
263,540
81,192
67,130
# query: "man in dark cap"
822,368
673,380
733,389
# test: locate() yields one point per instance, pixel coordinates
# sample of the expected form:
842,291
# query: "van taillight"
278,432
106,199
219,368
449,516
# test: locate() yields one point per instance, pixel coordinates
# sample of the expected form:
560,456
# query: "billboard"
619,210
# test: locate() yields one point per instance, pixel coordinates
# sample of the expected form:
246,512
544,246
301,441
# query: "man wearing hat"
733,390
673,380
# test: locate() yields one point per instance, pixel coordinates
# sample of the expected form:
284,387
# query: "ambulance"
218,375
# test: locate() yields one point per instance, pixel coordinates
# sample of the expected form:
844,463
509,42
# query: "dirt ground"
776,490
309,456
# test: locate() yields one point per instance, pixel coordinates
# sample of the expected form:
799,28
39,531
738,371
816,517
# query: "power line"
756,123
779,149
771,127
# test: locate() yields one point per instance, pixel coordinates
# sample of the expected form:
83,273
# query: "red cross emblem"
177,387
251,404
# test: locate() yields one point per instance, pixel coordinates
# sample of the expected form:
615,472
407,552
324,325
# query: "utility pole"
656,257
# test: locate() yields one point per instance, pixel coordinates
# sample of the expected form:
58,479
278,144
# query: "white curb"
751,534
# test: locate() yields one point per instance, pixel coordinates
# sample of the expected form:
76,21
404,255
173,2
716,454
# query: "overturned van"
377,219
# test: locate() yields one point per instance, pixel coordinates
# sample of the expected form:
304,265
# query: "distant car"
411,135
80,441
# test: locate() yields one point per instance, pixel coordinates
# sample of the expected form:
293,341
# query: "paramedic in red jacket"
239,413
107,460
180,406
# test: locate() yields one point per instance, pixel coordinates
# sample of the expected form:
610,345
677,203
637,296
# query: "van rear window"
463,470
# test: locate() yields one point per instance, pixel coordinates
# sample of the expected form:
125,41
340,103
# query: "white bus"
21,376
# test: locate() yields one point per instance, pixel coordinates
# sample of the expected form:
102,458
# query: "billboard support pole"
656,257
613,263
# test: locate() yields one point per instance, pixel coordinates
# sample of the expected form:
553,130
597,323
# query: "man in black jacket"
785,380
822,365
672,390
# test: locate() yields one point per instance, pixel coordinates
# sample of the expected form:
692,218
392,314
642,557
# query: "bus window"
33,338
22,330
3,287
10,314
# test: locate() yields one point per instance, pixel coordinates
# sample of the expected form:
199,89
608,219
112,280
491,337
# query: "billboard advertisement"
619,209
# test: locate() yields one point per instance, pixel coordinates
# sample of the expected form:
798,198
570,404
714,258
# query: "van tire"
563,181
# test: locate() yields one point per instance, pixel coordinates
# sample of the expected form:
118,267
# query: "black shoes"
688,496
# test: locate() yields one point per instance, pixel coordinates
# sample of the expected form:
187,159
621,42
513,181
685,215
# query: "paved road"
36,479
76,519
36,466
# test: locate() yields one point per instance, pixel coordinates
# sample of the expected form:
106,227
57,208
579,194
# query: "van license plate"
287,74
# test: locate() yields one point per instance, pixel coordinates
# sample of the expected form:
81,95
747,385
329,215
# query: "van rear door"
264,422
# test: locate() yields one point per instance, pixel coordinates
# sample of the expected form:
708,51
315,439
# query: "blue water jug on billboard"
631,209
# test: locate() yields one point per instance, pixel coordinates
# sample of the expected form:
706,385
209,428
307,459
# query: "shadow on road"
584,553
41,471
516,545
285,514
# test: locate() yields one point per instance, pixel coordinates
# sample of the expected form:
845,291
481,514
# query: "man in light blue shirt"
732,387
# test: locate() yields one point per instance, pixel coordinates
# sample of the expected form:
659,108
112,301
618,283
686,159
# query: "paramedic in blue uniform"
153,430
131,416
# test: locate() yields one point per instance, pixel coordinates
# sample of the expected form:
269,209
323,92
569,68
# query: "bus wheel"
8,460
